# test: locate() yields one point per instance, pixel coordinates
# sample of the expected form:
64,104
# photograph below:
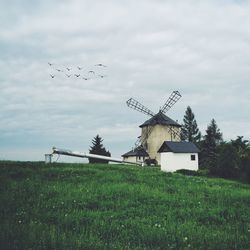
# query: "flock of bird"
77,72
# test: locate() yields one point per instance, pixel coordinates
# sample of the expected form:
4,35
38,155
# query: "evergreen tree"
216,134
190,130
212,138
98,149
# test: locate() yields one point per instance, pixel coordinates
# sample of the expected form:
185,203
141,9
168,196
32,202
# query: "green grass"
81,206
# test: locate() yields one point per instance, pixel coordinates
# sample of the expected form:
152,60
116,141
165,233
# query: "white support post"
48,158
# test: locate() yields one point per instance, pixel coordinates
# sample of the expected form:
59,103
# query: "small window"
139,157
192,157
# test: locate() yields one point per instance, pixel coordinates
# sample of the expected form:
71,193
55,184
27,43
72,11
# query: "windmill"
158,128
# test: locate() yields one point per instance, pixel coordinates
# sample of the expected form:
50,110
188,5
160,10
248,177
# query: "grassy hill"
81,206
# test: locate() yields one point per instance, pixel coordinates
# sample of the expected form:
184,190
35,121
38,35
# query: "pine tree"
212,139
98,149
190,130
216,134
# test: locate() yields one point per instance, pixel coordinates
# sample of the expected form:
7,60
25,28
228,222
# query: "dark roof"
161,119
178,147
139,151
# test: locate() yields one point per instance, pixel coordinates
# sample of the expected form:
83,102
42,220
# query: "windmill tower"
158,128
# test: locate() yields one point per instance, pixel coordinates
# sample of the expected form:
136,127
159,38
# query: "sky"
150,48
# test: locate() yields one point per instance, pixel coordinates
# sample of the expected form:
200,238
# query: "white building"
138,154
178,155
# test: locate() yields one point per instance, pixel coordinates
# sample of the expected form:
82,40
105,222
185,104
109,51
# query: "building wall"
158,135
171,162
134,158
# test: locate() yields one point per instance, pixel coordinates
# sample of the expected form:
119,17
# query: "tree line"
227,159
217,157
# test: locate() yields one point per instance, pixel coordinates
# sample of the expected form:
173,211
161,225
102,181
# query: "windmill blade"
175,134
173,98
138,142
142,141
132,103
145,138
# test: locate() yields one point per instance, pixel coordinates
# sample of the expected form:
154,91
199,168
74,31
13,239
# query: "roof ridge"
160,118
178,147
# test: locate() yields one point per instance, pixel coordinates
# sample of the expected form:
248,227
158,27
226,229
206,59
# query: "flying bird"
84,78
77,75
100,65
59,70
52,76
68,69
50,64
68,75
80,68
101,76
91,71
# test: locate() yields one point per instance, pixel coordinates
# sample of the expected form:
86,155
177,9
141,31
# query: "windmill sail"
142,140
138,142
175,133
145,138
132,103
173,98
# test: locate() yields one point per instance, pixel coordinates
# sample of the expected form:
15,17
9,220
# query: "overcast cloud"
150,47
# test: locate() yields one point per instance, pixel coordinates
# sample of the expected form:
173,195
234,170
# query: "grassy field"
81,206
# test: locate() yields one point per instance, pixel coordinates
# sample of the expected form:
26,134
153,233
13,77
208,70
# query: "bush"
187,172
203,172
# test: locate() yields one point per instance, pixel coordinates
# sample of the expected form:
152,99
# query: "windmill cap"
160,119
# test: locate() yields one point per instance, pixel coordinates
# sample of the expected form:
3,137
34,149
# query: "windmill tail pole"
93,156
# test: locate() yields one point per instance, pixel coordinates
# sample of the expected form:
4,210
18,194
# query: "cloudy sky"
151,47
